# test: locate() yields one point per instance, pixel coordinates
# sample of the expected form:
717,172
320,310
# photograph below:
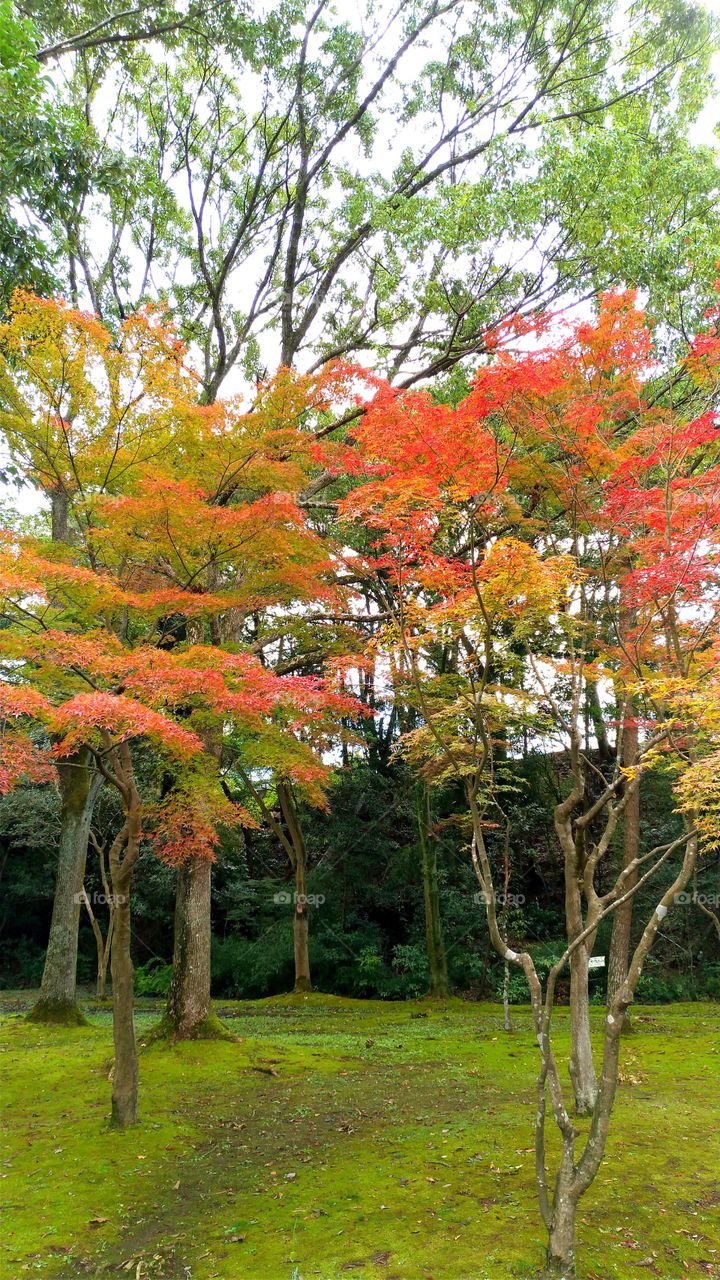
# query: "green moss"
58,1013
339,1138
211,1028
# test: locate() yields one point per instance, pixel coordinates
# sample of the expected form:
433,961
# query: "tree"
232,525
568,447
87,418
138,693
82,415
574,144
103,944
105,724
437,961
38,156
282,762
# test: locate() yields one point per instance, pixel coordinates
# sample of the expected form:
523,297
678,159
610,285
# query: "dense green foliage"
367,934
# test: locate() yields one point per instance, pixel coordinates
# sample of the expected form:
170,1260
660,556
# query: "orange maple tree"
178,524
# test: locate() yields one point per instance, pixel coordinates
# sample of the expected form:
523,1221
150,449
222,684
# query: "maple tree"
82,413
105,723
200,499
136,694
156,563
555,538
236,536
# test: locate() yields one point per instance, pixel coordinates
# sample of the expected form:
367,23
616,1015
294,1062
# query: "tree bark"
79,786
622,922
561,1235
435,942
300,944
572,842
582,1066
507,1020
125,1068
189,1014
124,853
60,516
299,861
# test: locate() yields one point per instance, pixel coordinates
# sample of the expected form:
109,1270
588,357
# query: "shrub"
153,978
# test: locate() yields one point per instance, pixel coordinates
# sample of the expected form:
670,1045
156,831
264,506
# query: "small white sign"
596,962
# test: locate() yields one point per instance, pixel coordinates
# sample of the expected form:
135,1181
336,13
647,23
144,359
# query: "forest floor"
348,1140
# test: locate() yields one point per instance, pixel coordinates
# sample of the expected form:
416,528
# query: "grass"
342,1139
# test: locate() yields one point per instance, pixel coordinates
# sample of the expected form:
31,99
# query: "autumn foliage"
550,540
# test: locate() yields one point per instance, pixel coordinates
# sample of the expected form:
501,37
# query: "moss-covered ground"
348,1139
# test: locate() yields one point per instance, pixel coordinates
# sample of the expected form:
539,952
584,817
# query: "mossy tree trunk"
300,947
79,785
434,939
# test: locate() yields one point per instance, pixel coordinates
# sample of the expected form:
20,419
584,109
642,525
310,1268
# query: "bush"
22,963
660,985
712,981
153,978
410,963
544,955
242,969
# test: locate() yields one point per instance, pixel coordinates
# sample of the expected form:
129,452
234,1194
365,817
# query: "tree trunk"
189,1014
507,1020
125,1069
295,845
435,942
300,940
102,976
59,516
102,945
103,966
622,922
79,786
582,1066
561,1241
300,915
